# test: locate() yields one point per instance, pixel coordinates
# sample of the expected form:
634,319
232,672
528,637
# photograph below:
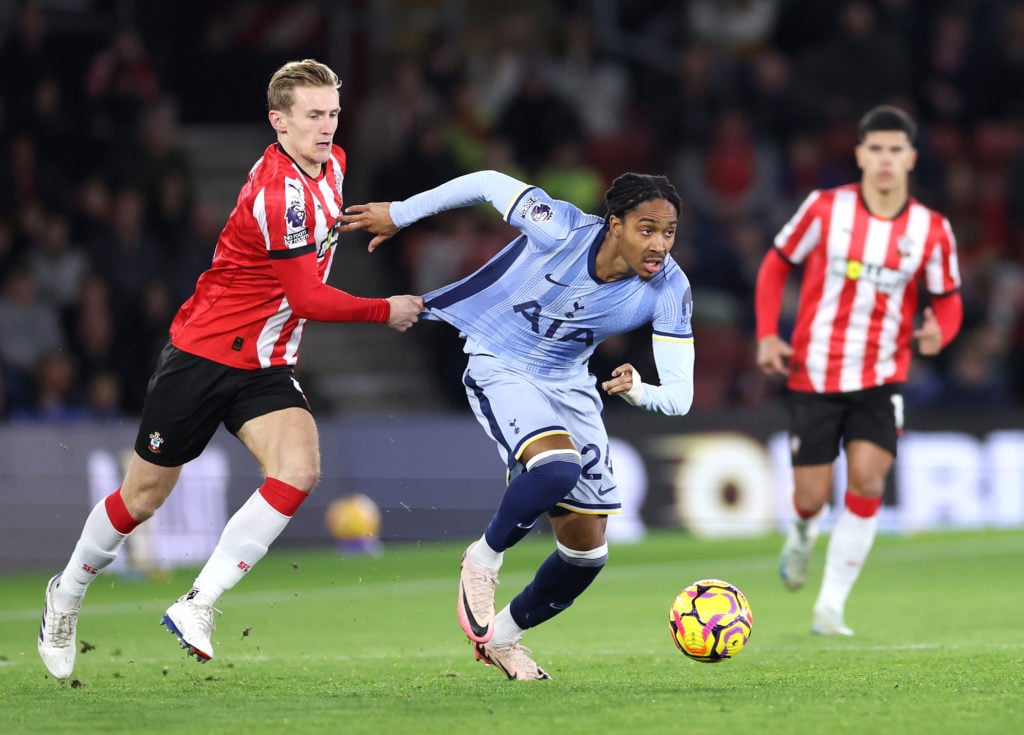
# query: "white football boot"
193,624
829,622
57,642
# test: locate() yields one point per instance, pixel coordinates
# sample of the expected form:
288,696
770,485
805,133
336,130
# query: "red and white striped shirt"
860,287
239,314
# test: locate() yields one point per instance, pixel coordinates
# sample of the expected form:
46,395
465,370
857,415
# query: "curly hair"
630,190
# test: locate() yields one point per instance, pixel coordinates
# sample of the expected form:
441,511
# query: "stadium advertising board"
438,477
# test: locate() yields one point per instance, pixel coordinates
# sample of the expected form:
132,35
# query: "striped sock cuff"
554,455
592,558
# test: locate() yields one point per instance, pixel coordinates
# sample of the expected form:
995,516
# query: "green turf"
314,642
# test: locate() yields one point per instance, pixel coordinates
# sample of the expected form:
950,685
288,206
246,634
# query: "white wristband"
635,394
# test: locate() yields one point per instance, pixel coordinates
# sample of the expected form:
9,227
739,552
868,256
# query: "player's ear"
277,121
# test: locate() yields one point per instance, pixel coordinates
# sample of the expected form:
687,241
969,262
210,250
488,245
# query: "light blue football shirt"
538,304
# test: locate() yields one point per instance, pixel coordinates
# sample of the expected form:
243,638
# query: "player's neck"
311,169
887,203
607,266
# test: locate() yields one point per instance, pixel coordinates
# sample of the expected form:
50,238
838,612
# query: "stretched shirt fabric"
539,306
860,288
239,314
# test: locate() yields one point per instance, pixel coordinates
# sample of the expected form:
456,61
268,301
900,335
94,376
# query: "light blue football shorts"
516,408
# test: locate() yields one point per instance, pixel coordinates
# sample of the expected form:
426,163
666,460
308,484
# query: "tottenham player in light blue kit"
531,318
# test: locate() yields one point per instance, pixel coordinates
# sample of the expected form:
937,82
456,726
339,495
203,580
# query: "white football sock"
485,556
244,541
848,549
97,547
505,629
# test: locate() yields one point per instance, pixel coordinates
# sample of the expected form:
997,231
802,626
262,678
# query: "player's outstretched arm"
405,311
311,298
384,219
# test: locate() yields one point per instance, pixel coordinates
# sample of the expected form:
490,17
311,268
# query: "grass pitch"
316,642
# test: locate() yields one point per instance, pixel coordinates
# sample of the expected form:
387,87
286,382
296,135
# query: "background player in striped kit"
866,249
231,356
532,317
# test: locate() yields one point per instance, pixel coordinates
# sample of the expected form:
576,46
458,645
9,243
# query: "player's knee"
560,469
302,478
867,486
141,510
308,481
564,474
143,500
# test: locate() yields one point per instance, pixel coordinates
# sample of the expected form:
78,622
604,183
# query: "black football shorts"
189,397
819,421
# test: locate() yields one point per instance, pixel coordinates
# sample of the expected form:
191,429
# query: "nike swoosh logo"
549,279
478,630
604,491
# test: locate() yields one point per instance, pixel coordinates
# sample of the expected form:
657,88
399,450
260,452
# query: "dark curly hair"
630,190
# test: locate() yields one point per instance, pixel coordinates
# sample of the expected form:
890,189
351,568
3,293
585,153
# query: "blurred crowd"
746,105
98,233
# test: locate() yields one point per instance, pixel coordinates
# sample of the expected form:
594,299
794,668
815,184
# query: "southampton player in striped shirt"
531,318
866,250
231,356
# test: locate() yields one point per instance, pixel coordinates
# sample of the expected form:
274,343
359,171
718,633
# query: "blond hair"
305,73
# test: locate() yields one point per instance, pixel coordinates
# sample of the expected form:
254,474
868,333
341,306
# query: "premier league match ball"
710,621
354,522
